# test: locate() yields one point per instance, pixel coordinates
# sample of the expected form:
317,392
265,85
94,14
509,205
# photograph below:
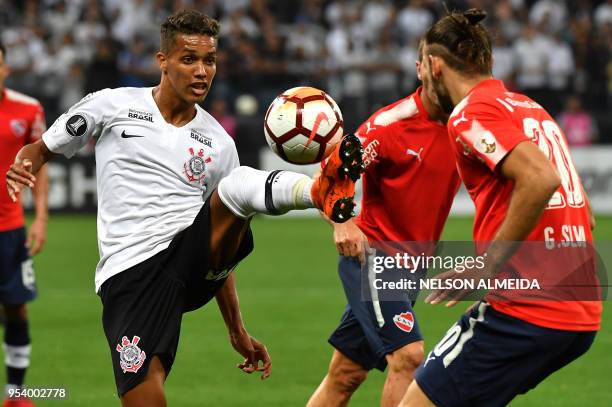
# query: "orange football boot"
333,191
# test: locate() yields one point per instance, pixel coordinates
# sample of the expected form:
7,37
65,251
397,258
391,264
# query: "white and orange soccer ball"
303,124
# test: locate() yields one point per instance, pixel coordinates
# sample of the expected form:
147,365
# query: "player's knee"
238,177
15,313
237,189
407,358
347,378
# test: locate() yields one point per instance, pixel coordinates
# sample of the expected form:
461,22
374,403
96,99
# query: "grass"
291,299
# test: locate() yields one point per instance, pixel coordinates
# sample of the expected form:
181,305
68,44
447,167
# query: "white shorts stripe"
370,254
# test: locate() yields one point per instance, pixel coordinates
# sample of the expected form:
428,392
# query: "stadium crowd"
361,52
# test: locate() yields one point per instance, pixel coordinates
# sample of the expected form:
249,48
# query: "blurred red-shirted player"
22,121
409,184
514,161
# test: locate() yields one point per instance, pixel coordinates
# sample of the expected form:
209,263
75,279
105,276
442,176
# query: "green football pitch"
291,299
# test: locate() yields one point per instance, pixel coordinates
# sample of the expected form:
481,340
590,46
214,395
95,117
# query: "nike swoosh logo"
320,117
123,135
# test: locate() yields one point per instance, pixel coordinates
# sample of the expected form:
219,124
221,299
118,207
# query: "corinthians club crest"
131,357
195,167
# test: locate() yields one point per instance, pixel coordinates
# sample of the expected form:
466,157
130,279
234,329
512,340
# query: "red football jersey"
484,127
410,178
22,121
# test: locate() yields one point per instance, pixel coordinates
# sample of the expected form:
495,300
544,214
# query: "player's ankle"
302,194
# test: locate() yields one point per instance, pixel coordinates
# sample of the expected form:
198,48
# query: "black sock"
16,335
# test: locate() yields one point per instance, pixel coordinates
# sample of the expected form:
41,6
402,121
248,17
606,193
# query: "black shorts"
487,358
17,283
143,306
370,330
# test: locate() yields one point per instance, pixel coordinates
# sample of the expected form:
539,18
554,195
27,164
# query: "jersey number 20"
548,136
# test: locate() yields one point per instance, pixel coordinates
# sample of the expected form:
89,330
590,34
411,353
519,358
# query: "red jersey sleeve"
38,125
484,132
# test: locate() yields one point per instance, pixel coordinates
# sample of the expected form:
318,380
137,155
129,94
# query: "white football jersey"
152,177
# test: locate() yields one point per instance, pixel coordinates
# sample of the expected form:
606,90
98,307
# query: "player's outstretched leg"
226,233
402,363
149,392
246,191
343,378
17,352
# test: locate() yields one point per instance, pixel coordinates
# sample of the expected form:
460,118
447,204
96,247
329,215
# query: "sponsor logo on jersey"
18,127
404,321
466,148
370,152
131,357
140,115
460,120
525,104
415,153
76,125
125,135
195,168
201,138
369,127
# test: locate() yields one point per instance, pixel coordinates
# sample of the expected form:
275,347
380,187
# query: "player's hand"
37,234
18,176
253,352
350,240
592,221
451,295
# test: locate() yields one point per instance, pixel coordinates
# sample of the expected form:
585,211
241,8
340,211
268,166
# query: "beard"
437,92
444,100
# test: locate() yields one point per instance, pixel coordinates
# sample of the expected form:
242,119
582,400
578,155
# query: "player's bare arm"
28,163
249,347
349,239
592,221
535,180
37,231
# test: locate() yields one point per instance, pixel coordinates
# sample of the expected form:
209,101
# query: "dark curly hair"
186,22
462,42
3,49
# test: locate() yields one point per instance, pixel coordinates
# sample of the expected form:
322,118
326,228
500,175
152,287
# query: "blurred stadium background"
362,53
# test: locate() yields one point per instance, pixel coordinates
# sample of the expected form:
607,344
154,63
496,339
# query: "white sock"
247,191
17,356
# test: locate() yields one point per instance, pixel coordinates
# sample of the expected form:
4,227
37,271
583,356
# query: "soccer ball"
302,125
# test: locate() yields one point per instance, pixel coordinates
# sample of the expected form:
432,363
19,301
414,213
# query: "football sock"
16,351
247,191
